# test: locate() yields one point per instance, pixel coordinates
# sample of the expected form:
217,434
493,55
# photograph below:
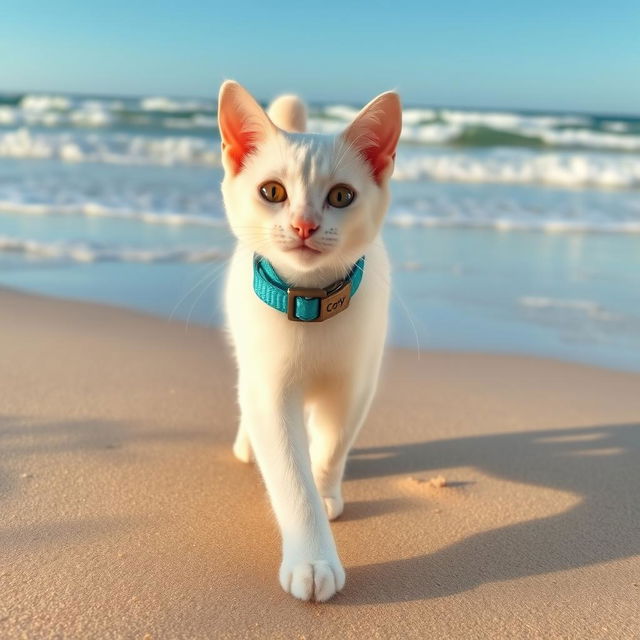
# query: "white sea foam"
589,139
504,223
87,252
451,131
52,111
437,133
561,169
115,148
531,131
197,121
341,112
509,120
45,103
431,126
588,308
567,169
615,126
515,166
58,111
171,105
91,115
416,116
91,209
8,115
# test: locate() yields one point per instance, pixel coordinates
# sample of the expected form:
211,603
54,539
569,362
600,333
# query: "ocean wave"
416,116
560,169
58,110
493,128
500,134
457,134
83,252
422,126
62,111
566,170
342,112
510,120
115,148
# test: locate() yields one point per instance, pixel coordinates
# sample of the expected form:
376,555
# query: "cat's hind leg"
242,446
337,411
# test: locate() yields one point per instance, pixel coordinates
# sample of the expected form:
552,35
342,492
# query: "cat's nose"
304,227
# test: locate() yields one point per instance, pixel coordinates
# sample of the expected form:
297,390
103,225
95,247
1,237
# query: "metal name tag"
331,302
334,303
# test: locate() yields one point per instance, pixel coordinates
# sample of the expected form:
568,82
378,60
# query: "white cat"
305,209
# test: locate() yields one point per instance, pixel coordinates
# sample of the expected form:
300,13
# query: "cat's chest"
302,349
307,345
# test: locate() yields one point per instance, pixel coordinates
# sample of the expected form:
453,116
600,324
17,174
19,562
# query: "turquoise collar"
304,304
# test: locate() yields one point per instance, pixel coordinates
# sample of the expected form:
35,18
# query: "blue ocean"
510,231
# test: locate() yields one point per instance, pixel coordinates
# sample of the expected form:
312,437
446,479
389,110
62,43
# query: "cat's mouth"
304,249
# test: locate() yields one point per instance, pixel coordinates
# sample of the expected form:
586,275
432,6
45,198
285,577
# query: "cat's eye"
340,196
273,191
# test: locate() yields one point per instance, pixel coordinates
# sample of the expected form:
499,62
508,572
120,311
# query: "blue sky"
555,55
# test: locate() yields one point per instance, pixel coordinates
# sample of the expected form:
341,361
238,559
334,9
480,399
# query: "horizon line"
353,103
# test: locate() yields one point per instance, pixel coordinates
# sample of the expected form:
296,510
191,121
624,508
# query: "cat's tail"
289,113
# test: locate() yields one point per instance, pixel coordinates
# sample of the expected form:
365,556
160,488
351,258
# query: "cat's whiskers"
400,300
212,279
211,276
218,267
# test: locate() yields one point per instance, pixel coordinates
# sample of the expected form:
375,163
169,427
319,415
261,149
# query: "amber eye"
273,192
340,196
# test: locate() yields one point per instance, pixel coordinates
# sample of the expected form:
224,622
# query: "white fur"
304,389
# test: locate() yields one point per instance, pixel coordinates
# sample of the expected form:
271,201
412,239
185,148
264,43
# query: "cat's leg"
242,445
274,420
337,412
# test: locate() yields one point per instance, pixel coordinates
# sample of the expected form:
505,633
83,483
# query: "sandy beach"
125,514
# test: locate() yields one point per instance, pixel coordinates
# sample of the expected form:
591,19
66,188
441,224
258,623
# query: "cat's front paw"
318,580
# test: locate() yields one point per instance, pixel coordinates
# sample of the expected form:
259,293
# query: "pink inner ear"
378,160
236,142
243,124
375,133
383,134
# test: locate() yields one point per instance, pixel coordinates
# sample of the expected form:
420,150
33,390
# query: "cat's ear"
243,124
375,133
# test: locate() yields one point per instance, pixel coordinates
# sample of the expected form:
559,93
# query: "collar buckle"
331,301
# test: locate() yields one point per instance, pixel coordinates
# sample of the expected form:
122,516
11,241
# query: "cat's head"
306,202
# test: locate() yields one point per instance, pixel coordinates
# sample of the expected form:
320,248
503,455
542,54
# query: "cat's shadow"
599,466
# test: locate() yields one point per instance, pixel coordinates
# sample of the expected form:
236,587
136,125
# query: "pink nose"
304,228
